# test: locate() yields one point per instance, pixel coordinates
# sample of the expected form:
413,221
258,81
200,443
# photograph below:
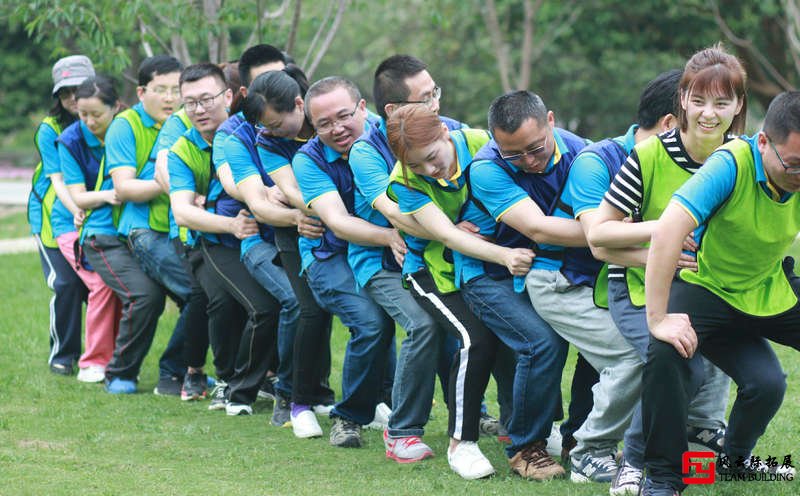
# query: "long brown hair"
714,71
411,127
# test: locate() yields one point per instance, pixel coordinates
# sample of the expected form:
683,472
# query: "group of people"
264,205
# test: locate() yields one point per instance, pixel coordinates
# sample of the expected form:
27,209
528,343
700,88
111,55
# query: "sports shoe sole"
390,455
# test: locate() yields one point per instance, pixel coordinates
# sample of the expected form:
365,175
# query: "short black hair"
328,84
659,98
508,112
197,72
783,116
389,83
276,89
157,65
258,55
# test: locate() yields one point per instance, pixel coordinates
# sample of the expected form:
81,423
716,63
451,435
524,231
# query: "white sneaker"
92,373
305,425
323,410
234,409
554,441
467,461
381,420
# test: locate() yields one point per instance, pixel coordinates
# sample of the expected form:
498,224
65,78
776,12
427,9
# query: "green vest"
744,243
436,255
49,197
661,177
199,162
145,138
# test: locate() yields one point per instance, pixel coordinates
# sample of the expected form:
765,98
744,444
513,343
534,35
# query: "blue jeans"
541,354
412,394
260,261
371,336
161,263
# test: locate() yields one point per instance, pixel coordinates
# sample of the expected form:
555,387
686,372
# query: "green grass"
14,224
61,437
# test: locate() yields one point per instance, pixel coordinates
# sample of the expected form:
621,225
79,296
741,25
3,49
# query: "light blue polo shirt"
238,158
46,143
171,131
121,152
273,162
181,178
61,218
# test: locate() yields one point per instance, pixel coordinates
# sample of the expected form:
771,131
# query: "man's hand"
687,262
78,218
398,246
244,225
689,243
309,227
518,260
276,196
677,330
111,197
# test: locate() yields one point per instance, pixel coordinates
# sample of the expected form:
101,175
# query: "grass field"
62,437
14,223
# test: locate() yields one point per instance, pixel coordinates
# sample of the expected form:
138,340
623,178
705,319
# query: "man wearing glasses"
129,144
338,113
743,294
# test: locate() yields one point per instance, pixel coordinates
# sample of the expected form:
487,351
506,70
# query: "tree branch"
500,49
292,37
328,37
267,15
315,39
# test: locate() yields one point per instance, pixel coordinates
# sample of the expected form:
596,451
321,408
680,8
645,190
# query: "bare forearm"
359,231
138,190
665,250
196,218
471,246
627,257
267,212
63,193
619,234
556,231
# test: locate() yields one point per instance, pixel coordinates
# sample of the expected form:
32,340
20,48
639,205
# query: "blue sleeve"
172,129
494,188
73,174
709,187
218,149
271,161
587,183
312,180
239,160
410,200
46,142
120,145
369,171
181,177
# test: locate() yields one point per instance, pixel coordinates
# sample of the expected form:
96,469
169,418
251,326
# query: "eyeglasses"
326,127
435,95
534,152
163,91
790,169
207,103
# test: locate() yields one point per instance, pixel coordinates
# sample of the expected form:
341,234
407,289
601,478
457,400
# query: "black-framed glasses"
207,103
790,169
435,95
326,127
533,152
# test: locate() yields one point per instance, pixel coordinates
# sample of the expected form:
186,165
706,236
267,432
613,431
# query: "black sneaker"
701,439
194,387
219,396
168,386
267,390
281,412
488,425
345,433
61,368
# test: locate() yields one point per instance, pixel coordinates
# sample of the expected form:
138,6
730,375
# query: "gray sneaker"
281,412
627,482
593,468
345,433
488,425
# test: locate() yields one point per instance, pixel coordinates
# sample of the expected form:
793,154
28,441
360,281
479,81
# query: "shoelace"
537,457
605,463
410,441
628,474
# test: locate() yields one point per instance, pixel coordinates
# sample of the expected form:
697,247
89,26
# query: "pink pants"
103,310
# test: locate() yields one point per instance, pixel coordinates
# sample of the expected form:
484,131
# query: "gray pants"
571,311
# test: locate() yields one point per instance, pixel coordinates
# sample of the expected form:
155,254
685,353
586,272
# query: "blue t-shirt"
61,218
273,162
371,177
412,200
171,131
99,220
181,178
121,152
238,158
46,143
